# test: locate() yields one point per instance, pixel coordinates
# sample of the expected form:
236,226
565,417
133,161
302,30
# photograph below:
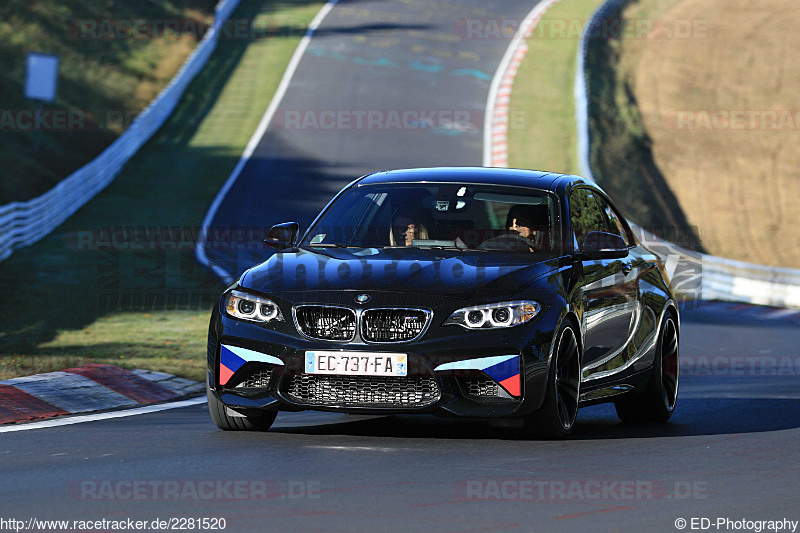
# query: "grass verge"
71,298
542,132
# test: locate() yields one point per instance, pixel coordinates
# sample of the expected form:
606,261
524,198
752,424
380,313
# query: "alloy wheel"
669,364
567,378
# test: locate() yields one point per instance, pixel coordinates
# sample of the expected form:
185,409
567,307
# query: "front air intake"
326,323
363,391
393,325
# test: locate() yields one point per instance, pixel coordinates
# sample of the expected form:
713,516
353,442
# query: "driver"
407,226
521,226
531,222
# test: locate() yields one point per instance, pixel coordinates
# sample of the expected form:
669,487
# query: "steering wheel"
512,242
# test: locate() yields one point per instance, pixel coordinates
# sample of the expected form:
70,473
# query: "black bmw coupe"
501,294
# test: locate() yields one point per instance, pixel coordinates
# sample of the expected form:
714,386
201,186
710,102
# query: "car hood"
444,272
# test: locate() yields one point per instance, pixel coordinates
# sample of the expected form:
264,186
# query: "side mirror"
282,236
602,245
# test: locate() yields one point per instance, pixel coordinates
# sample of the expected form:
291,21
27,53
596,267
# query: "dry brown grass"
739,185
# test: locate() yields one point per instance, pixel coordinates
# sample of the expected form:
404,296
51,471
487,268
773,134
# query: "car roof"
477,175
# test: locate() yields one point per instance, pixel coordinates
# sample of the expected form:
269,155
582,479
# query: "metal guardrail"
24,223
719,278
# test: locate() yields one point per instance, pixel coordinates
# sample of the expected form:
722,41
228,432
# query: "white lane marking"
781,313
200,251
359,448
67,421
745,395
287,420
526,26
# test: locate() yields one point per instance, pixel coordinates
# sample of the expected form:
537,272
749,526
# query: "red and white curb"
495,144
93,387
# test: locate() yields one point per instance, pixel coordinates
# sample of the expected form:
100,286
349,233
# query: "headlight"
248,307
502,315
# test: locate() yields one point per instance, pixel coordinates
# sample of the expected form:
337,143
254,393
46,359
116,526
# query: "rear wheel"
657,402
260,421
556,416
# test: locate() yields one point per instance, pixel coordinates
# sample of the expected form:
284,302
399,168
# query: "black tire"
260,421
556,417
657,402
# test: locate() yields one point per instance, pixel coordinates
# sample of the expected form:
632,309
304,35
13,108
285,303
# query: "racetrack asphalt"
382,85
729,451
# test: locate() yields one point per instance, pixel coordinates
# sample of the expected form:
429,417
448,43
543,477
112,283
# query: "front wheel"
260,421
657,402
555,418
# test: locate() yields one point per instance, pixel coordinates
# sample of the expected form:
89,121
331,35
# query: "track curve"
729,451
382,85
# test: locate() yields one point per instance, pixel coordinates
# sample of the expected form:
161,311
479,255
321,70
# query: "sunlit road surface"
730,450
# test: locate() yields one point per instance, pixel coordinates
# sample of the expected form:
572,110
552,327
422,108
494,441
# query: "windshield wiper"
334,245
453,247
433,247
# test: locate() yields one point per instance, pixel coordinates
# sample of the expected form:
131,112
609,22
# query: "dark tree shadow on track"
694,417
252,205
406,426
362,29
706,312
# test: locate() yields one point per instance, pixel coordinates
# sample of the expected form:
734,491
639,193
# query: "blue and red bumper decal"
504,369
232,358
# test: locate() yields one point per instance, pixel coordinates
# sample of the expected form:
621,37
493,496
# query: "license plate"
357,363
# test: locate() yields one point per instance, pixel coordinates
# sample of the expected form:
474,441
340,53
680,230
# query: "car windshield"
449,215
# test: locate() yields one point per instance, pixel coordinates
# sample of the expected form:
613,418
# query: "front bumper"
451,372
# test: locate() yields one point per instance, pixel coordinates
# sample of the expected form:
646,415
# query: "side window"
585,214
615,223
